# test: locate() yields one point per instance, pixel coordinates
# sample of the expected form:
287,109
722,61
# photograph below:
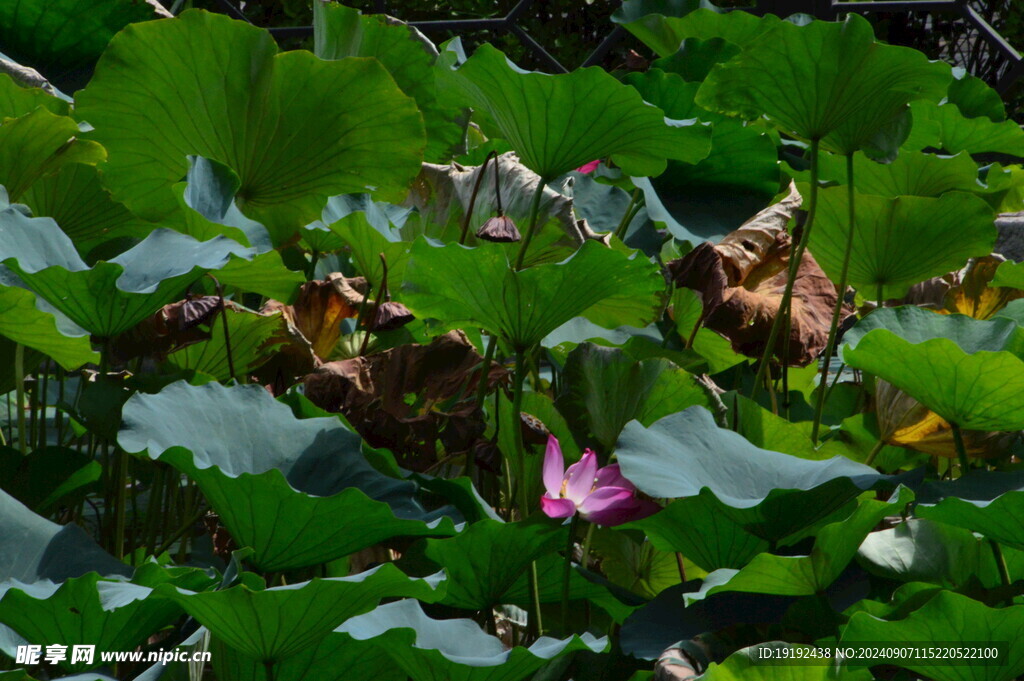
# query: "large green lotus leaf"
887,256
32,548
695,58
636,342
603,389
62,38
340,32
73,612
969,372
273,624
989,503
834,547
912,173
827,81
298,491
110,297
947,128
485,559
749,664
952,619
1009,274
683,453
366,227
708,199
923,550
207,85
663,25
254,339
77,201
560,122
40,143
47,475
478,286
335,657
26,322
455,649
974,97
687,311
16,100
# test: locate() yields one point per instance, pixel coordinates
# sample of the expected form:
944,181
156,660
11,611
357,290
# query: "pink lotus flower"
589,167
602,496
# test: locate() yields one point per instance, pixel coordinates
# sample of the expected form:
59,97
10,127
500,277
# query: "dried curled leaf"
408,397
966,291
741,281
317,313
170,328
905,422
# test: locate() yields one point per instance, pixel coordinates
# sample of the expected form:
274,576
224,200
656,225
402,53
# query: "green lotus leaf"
887,256
974,97
77,201
560,122
455,649
335,657
252,110
663,25
687,311
950,618
912,173
254,339
40,143
485,559
749,664
834,547
298,491
110,297
16,100
478,286
947,128
603,389
1010,275
32,548
708,199
969,372
695,58
409,57
74,612
47,475
273,624
366,227
827,81
63,38
27,321
989,503
923,550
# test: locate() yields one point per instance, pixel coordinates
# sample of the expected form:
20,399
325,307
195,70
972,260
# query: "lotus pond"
391,360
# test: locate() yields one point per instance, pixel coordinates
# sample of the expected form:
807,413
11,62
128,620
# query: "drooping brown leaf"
317,314
742,279
409,397
905,422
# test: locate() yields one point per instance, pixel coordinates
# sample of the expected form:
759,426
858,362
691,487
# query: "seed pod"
392,315
499,229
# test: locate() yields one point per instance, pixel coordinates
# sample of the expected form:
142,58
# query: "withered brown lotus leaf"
172,327
741,281
408,397
317,313
905,422
966,291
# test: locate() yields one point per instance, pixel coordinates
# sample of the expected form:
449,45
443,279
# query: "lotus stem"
1004,573
481,394
961,450
681,567
532,225
874,452
796,255
878,295
567,572
535,623
19,387
584,560
227,332
840,295
631,210
472,197
268,667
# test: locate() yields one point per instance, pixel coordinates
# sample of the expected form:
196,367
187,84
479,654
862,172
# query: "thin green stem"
585,559
472,197
878,295
1004,573
631,210
268,668
535,625
874,452
796,255
961,450
567,572
19,387
532,225
841,294
481,394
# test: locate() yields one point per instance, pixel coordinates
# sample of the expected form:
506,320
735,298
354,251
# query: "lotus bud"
391,315
499,229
